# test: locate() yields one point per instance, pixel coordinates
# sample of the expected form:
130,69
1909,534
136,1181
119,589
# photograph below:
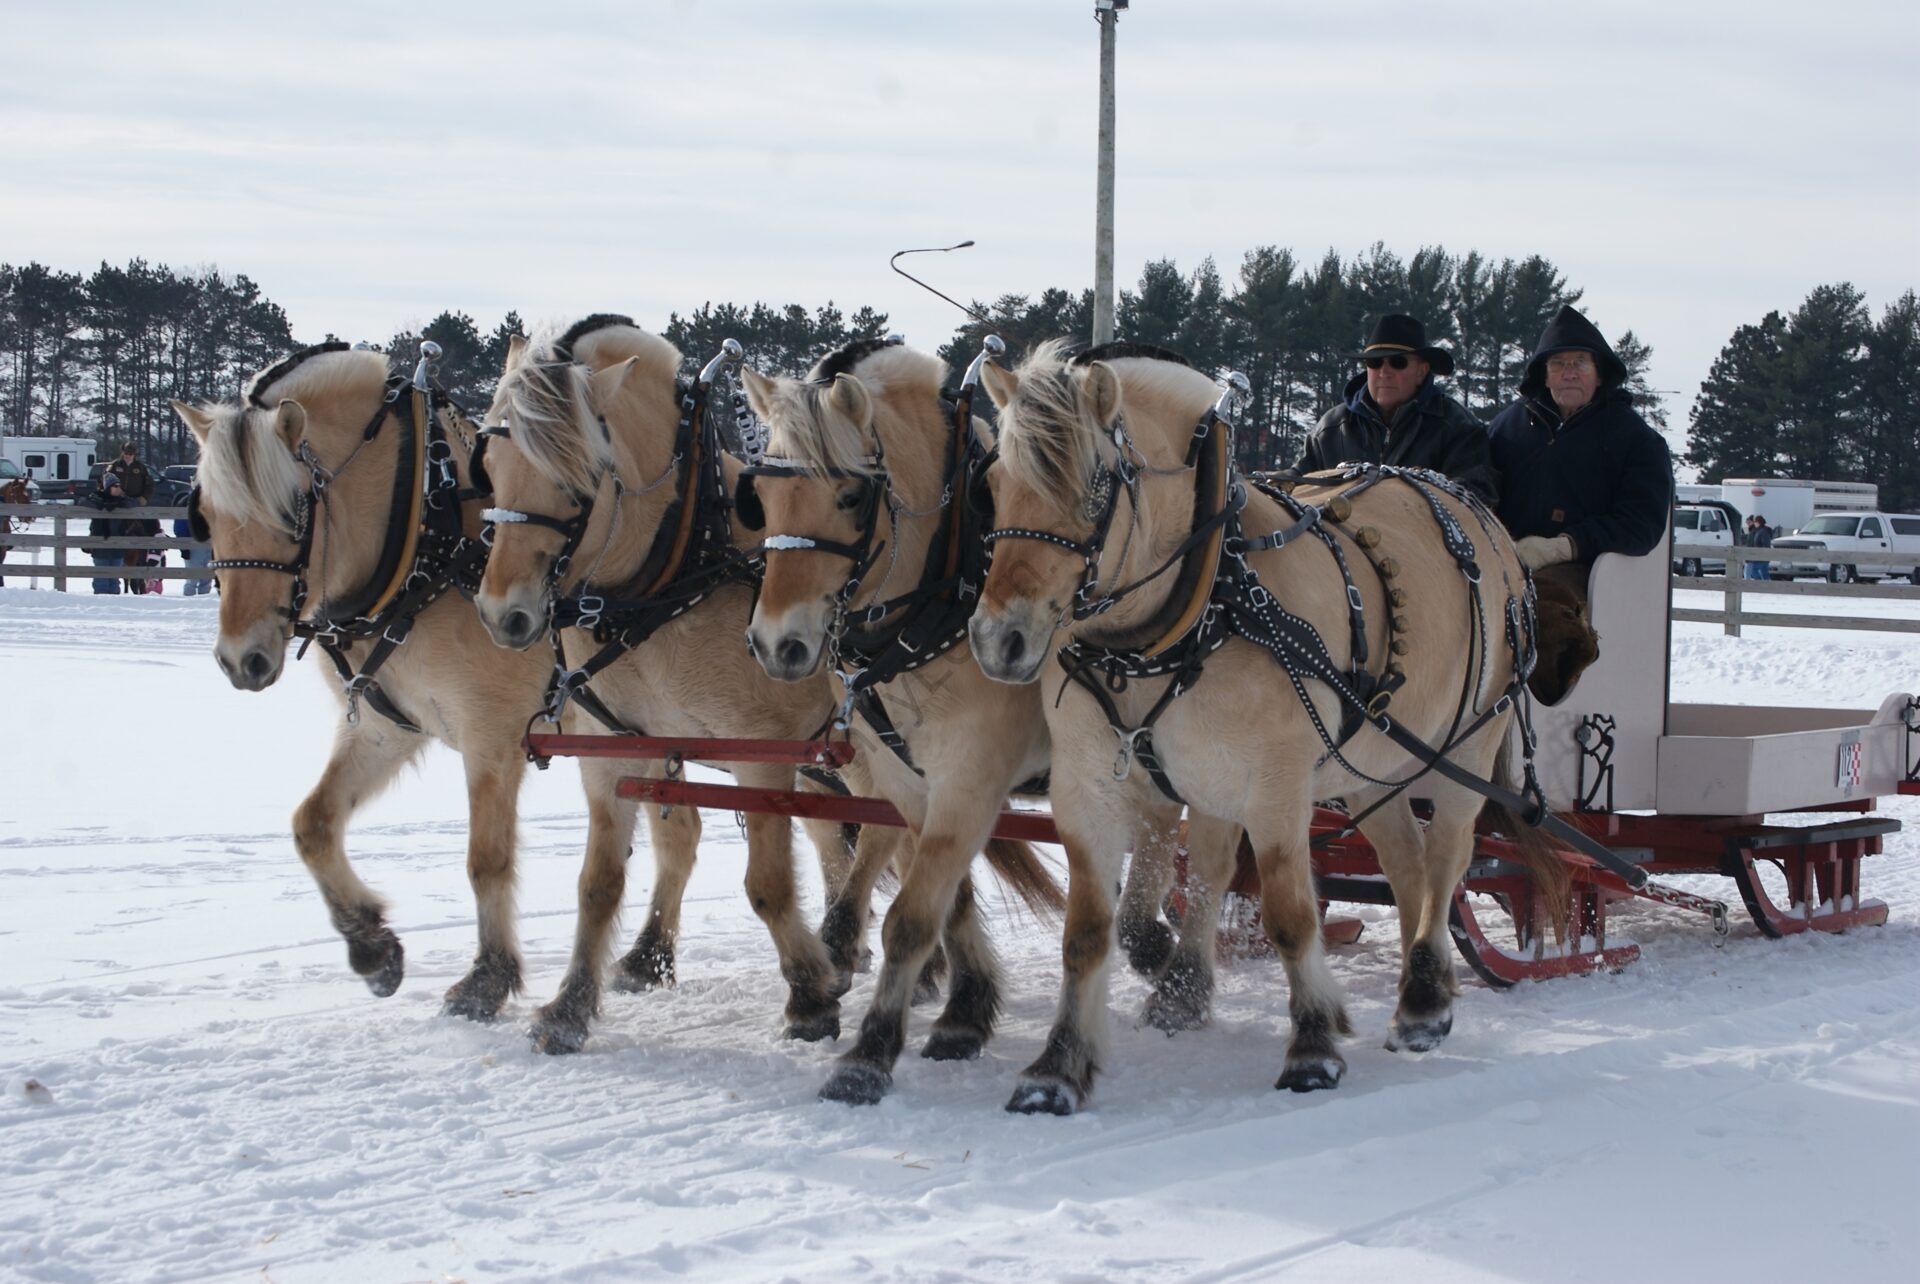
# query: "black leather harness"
430,556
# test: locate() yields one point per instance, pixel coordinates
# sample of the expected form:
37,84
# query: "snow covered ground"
222,1099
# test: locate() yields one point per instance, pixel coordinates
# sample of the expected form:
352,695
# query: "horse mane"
246,471
821,442
547,395
1049,442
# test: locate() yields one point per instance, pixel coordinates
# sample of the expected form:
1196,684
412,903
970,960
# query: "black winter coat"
1602,476
1431,431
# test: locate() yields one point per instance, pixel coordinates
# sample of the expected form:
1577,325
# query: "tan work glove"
1537,551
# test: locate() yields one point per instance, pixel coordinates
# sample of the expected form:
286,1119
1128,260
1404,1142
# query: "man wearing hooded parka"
1581,473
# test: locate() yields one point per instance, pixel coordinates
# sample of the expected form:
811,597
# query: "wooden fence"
73,544
1734,615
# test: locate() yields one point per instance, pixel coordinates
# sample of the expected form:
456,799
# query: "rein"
1232,602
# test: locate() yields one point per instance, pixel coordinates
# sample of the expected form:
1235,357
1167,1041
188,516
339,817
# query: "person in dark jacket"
1759,535
1393,413
1581,473
106,499
136,483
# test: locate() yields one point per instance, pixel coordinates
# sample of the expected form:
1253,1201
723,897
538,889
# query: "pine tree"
1736,422
1637,357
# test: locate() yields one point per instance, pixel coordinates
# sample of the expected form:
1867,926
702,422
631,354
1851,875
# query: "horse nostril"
1015,650
257,666
518,625
793,654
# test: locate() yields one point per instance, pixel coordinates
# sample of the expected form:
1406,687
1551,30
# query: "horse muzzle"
1006,648
512,623
251,666
787,657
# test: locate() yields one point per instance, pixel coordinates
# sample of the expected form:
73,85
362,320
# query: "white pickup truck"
1704,521
1846,547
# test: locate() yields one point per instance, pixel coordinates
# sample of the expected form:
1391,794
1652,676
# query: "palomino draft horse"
1204,627
610,527
338,509
874,560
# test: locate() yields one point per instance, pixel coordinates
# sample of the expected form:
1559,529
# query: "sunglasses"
1398,361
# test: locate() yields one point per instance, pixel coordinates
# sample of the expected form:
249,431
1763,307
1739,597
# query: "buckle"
590,608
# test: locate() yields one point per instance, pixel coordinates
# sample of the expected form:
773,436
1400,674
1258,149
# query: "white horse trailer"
1789,503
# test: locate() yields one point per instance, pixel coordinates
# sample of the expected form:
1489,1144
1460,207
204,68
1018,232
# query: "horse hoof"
1311,1074
382,973
824,1025
1149,947
1419,1036
857,1083
953,1045
556,1039
641,971
471,1007
1171,1014
1042,1099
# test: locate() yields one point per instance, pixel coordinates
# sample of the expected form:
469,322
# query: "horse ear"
1001,385
607,383
849,396
516,352
290,421
199,422
759,392
1102,389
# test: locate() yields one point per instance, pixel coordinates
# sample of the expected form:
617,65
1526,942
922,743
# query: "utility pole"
1107,13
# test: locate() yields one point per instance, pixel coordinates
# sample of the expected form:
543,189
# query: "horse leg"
1061,1079
973,1000
562,1025
493,797
1144,935
1182,997
813,1004
674,835
1291,912
843,930
1424,1016
366,756
953,830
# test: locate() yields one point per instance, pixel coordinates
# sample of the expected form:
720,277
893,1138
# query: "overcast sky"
1690,164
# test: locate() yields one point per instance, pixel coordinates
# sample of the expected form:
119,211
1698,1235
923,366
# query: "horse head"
293,496
854,456
1053,484
573,414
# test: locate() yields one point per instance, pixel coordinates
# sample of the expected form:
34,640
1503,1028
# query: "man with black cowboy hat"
1393,413
1582,473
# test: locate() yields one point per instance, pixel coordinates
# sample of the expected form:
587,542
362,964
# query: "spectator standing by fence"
107,499
196,558
1759,535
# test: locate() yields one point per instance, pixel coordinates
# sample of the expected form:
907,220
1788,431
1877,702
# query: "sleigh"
1778,801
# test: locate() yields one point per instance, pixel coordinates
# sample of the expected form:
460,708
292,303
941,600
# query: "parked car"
172,485
1707,521
1856,546
10,471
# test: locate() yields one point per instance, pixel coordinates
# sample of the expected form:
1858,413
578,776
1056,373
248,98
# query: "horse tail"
1020,870
1543,861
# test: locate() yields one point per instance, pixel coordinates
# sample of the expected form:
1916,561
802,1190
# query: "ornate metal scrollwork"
1594,735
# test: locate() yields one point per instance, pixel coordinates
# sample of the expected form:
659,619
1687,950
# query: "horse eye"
850,498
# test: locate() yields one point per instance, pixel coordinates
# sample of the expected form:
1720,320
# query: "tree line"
1825,392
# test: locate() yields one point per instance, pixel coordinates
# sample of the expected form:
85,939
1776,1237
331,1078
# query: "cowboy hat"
1398,333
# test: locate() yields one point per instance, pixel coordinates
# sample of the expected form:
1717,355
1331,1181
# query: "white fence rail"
1735,614
73,544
